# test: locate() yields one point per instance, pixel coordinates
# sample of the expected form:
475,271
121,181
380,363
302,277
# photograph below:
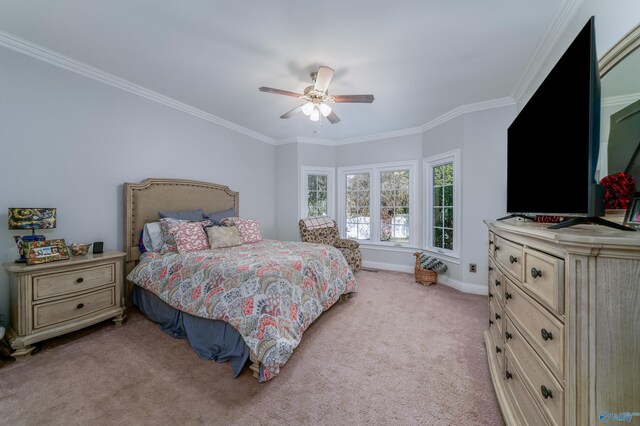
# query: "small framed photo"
45,251
632,217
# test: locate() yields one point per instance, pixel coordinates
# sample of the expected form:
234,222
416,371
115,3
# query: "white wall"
71,142
287,193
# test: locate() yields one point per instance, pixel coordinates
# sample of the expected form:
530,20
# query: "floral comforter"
269,291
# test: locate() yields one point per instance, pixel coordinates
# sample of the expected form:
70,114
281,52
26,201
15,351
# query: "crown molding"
36,51
563,14
612,101
468,108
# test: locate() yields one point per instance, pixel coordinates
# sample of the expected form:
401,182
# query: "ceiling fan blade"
333,118
323,78
360,99
279,92
292,112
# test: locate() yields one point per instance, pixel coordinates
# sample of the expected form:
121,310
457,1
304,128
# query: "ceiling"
420,58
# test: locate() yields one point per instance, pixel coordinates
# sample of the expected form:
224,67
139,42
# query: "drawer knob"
490,242
497,316
490,323
507,335
497,248
508,375
80,306
507,295
497,283
498,350
535,273
513,259
490,268
546,393
546,335
79,280
490,295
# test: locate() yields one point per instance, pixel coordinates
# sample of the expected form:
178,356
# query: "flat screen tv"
553,144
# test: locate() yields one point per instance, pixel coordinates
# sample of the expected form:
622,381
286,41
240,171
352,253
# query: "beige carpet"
396,353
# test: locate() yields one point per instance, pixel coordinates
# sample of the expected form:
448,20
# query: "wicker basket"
424,276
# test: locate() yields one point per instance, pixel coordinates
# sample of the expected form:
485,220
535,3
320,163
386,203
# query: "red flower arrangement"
619,189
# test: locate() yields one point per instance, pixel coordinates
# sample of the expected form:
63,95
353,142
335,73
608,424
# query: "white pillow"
152,236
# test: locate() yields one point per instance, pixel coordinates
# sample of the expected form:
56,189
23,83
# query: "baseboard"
443,279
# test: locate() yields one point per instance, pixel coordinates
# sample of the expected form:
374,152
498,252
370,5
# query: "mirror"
620,115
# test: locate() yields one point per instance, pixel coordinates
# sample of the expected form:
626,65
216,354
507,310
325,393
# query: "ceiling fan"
317,97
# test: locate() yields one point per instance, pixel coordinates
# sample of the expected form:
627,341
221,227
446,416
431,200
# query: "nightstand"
52,299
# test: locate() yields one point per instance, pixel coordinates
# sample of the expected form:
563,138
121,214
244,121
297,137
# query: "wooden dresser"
51,299
563,336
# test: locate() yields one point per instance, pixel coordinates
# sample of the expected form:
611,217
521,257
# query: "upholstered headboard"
143,201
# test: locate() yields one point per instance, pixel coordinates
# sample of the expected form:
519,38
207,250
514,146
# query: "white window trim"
374,197
330,172
427,164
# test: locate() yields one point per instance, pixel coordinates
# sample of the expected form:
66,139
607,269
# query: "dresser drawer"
497,349
537,377
509,256
50,313
544,277
496,286
526,408
69,282
543,330
497,314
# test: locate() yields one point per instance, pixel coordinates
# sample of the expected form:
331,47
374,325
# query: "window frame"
305,172
374,171
428,164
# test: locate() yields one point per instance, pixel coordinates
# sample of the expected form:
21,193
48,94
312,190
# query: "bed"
248,302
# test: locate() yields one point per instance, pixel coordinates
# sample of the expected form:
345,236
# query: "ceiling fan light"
315,115
307,108
324,109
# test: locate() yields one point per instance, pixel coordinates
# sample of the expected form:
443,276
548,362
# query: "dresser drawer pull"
535,273
490,323
79,280
80,306
546,335
513,259
490,242
497,283
490,268
508,335
546,393
497,316
497,248
498,350
508,375
507,295
490,295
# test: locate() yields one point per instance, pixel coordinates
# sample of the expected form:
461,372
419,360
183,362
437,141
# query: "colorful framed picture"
45,251
632,217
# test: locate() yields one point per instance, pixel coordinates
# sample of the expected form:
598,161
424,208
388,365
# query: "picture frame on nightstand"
632,216
37,252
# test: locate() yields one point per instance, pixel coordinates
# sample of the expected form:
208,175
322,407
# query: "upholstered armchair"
324,230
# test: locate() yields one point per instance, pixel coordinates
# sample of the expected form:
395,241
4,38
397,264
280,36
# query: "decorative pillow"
229,221
249,230
189,236
194,215
152,237
217,217
141,246
223,236
169,241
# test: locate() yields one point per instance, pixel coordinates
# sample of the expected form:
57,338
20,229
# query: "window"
376,203
317,191
442,196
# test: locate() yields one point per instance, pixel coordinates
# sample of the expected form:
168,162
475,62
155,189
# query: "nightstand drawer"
509,256
69,282
544,277
51,313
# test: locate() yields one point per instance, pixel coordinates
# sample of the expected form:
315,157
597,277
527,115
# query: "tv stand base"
524,216
594,220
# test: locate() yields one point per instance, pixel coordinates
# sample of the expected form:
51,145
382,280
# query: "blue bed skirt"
210,339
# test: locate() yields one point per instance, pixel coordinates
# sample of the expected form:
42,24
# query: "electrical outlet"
473,267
